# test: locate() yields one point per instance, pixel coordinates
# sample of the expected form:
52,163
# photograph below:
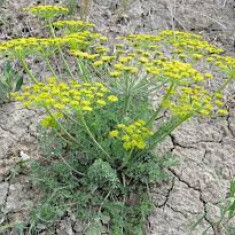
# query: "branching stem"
60,51
80,114
156,113
27,70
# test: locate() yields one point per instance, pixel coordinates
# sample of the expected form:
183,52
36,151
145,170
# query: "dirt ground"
206,147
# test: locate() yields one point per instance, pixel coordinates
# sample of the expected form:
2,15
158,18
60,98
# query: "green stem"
60,51
72,119
81,70
69,166
158,136
49,65
65,140
79,66
61,127
127,103
155,115
91,135
27,70
224,85
127,93
129,155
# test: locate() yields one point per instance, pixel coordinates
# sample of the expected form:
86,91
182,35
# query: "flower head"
47,11
133,136
61,96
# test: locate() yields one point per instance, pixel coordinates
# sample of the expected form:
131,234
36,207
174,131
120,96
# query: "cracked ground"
189,203
200,182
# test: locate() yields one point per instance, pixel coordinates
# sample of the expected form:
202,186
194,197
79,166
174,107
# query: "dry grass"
85,6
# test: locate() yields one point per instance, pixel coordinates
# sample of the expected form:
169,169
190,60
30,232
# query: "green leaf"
19,83
231,210
232,189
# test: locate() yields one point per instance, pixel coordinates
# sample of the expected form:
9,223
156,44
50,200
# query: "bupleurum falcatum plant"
107,109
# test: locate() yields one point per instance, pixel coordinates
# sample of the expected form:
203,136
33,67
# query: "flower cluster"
182,44
225,63
121,68
194,100
192,43
25,46
119,64
73,23
47,11
19,45
134,135
137,39
50,120
85,38
174,70
103,59
60,96
84,55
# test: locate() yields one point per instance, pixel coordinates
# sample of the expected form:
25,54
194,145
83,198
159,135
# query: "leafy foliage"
9,81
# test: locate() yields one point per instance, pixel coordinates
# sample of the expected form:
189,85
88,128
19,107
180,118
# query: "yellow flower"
208,75
113,98
219,103
197,56
114,133
222,112
125,59
133,70
134,135
74,103
104,89
84,54
139,123
19,98
204,112
143,60
126,138
86,102
27,104
210,59
48,121
47,11
115,74
65,100
218,95
140,145
45,122
103,38
107,58
121,126
87,108
120,46
91,96
98,63
101,102
119,66
102,49
127,145
59,106
99,94
73,23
